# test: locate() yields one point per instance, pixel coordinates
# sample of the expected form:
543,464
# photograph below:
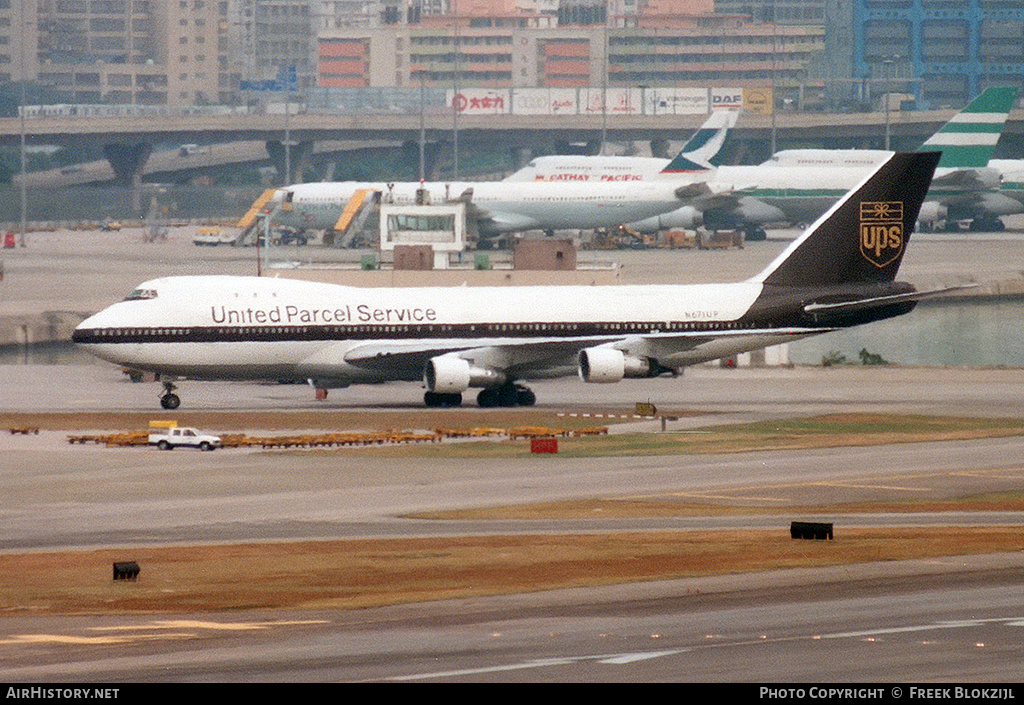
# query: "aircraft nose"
91,330
82,332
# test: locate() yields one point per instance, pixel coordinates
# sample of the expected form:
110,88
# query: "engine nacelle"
931,212
751,211
604,365
453,375
685,218
996,204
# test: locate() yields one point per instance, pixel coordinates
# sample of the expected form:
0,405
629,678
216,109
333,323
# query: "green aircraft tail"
969,139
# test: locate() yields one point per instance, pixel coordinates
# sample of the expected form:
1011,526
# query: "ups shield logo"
881,231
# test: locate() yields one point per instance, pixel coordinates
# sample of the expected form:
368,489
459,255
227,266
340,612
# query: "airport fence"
73,205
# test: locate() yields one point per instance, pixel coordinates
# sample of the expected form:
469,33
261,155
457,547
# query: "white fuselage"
1011,175
260,328
863,158
597,169
501,207
788,192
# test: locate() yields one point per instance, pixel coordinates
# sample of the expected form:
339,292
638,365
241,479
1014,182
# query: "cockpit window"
140,294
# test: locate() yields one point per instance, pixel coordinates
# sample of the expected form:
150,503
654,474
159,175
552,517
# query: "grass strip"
368,573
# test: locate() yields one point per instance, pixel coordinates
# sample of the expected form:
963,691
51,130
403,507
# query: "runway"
913,621
952,620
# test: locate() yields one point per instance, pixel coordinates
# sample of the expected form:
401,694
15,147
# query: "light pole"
889,62
604,85
775,49
22,240
455,91
423,132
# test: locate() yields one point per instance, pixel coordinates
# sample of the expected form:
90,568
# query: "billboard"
544,101
620,101
758,101
676,101
480,101
726,98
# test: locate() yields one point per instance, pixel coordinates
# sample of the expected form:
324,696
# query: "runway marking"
629,658
644,656
855,486
960,624
1011,473
133,633
64,639
852,483
212,626
697,495
606,416
610,659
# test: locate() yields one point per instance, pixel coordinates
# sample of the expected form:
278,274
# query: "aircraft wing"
504,354
966,180
532,356
488,222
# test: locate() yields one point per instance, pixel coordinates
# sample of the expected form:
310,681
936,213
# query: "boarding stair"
356,217
249,222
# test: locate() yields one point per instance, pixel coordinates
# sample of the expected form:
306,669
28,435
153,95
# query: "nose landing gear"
169,400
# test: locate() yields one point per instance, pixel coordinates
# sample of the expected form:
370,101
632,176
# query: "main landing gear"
506,395
492,397
437,400
169,400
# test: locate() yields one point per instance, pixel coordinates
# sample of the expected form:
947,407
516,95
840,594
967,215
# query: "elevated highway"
128,142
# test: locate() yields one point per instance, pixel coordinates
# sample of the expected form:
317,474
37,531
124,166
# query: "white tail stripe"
978,118
965,139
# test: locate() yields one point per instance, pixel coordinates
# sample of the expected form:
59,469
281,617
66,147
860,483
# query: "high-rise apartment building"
514,43
18,40
272,37
126,51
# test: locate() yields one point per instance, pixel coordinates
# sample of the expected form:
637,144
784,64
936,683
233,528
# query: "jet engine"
611,365
931,213
453,375
685,218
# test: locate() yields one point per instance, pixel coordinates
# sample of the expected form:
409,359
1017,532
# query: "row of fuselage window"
318,332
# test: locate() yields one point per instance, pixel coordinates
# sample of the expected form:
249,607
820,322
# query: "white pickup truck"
170,438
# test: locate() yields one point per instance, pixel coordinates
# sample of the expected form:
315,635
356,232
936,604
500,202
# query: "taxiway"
954,619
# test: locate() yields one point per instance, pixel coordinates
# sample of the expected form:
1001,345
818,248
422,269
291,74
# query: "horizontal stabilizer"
876,301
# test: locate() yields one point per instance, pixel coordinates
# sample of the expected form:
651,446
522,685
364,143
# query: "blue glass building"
944,52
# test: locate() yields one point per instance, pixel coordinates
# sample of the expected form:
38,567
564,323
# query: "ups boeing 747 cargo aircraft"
839,273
